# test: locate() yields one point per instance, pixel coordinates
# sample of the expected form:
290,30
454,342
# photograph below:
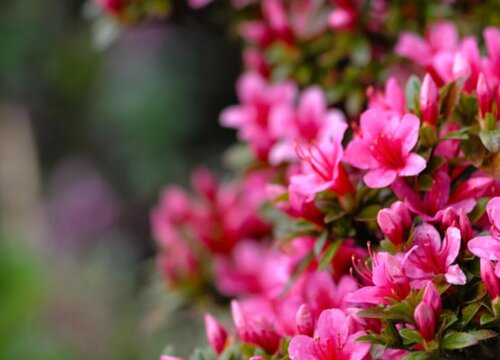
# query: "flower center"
387,151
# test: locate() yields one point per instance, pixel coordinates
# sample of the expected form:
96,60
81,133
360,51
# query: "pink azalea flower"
391,100
427,313
216,334
430,256
488,246
334,338
320,292
254,327
167,357
384,147
491,64
310,122
394,221
457,218
491,279
435,201
321,169
251,117
387,280
441,38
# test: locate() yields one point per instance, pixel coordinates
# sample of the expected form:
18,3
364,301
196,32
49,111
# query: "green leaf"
456,135
483,334
333,215
412,93
491,140
450,95
487,318
368,213
468,313
458,340
379,313
411,336
330,252
373,339
320,243
418,355
474,150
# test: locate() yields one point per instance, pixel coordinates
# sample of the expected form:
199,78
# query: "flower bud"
394,221
304,320
216,334
491,281
433,299
484,96
424,318
429,101
459,219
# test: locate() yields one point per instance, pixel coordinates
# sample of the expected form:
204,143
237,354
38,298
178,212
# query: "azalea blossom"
394,221
392,99
387,279
488,246
427,313
433,203
384,147
334,338
431,256
251,117
310,122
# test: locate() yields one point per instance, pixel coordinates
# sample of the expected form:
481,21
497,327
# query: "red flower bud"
429,97
491,281
216,334
304,320
484,96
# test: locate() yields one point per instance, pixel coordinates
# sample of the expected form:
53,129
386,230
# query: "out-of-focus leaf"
468,313
411,336
425,182
412,93
330,252
458,340
491,139
368,213
418,355
483,334
320,243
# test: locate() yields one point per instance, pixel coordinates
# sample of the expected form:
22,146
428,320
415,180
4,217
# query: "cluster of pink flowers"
350,237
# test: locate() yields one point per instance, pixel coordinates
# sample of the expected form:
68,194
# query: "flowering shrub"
365,222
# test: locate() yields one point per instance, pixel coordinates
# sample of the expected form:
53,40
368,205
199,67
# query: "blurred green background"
88,137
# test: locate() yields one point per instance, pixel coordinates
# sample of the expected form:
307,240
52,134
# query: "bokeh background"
89,134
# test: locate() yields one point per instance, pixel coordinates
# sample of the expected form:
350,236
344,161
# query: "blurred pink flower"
384,147
391,100
216,334
251,117
488,246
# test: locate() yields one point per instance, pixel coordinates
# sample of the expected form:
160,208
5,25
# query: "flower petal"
407,131
358,154
414,165
455,275
379,178
486,247
302,348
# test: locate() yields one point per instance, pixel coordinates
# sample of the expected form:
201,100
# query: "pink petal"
369,295
443,36
358,154
379,178
312,104
356,350
492,39
413,47
424,318
250,88
455,275
302,348
451,245
414,165
493,211
332,324
235,116
486,247
373,122
407,132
